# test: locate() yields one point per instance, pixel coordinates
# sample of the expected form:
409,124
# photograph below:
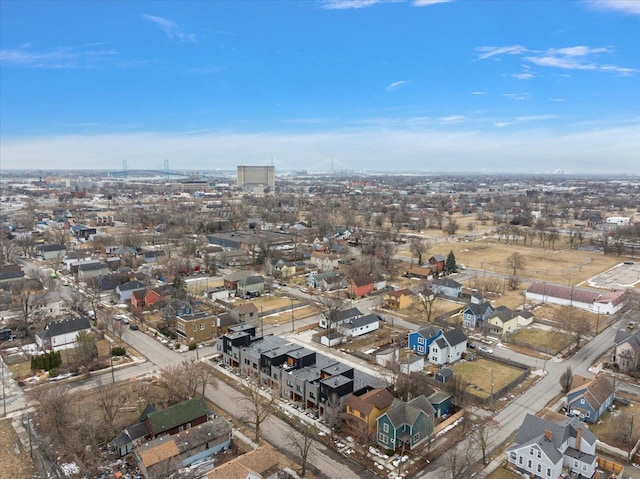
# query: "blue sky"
416,85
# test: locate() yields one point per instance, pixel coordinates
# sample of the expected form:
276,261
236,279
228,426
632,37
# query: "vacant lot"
549,341
284,316
14,459
478,374
613,427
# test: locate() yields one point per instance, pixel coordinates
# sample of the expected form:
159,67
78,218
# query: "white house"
59,335
362,325
340,317
607,302
448,348
543,448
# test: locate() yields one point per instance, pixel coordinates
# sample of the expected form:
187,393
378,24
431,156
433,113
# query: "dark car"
133,327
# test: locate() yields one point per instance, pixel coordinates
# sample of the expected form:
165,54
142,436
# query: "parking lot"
623,275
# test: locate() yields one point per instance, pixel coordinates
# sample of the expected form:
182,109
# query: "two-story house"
448,348
195,327
405,425
421,340
543,448
504,321
588,399
363,410
250,286
475,315
626,353
360,287
399,299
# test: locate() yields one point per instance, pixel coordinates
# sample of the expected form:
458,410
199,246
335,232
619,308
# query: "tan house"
399,299
196,327
362,412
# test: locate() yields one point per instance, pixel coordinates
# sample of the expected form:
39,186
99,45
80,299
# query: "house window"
312,395
299,389
584,467
385,427
202,327
531,451
539,454
362,416
416,437
420,349
195,328
383,438
539,468
529,464
548,472
420,340
520,460
575,464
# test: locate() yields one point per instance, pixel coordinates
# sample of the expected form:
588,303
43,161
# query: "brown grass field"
478,373
613,427
14,459
502,473
551,340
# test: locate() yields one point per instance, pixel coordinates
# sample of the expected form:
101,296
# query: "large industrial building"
256,178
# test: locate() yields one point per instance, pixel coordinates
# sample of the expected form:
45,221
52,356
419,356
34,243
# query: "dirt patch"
613,426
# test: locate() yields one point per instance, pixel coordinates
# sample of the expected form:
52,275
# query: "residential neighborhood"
409,349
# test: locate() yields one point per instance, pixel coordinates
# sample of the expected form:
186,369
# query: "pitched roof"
402,412
258,461
596,392
66,326
376,398
176,415
345,314
151,454
363,321
428,331
447,283
455,336
131,285
564,292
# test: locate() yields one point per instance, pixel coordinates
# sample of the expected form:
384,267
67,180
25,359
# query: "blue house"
406,425
420,340
447,287
476,314
589,399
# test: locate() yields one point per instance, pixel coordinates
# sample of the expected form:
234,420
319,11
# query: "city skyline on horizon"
431,86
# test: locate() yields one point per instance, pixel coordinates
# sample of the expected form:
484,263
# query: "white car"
485,349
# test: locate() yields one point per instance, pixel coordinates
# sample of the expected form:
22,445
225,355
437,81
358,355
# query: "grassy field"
284,316
543,339
478,373
20,370
14,459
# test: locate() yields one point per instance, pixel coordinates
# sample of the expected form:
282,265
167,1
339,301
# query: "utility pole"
491,397
113,377
4,395
630,441
293,327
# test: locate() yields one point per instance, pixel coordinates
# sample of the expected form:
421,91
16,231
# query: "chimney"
578,439
548,436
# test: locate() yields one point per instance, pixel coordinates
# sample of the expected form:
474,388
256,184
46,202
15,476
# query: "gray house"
447,287
250,286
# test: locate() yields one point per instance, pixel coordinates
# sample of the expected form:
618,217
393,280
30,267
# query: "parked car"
133,327
485,349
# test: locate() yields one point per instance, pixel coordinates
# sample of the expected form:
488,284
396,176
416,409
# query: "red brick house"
144,297
359,287
437,262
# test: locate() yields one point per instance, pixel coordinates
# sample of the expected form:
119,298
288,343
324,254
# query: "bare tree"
457,461
515,262
566,380
28,297
185,380
419,248
458,388
108,404
258,407
331,307
54,412
333,413
513,282
482,435
301,442
427,300
85,350
575,323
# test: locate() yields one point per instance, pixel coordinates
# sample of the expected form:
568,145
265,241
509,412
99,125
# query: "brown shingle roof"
159,453
258,461
378,398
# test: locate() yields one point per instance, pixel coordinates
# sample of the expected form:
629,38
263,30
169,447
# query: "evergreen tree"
450,265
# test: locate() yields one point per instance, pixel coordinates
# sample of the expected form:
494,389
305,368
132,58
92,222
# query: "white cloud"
170,29
518,96
577,51
488,52
478,92
624,6
592,150
425,3
560,100
523,76
348,4
396,84
451,119
80,56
